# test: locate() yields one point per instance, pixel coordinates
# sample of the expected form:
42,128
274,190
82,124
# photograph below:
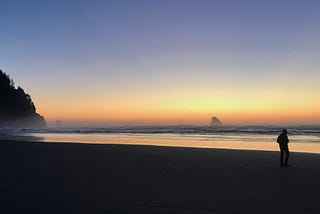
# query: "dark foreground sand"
80,178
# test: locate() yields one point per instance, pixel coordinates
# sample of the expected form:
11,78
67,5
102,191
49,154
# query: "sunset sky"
165,62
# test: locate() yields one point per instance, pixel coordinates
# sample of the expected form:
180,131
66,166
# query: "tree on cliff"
16,107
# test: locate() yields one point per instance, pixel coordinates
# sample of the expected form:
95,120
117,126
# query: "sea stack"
17,109
58,124
215,122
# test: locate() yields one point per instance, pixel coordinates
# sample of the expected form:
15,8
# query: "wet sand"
89,178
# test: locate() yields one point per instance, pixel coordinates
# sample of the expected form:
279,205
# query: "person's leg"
281,156
287,155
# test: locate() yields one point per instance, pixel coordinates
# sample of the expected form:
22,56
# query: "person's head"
284,131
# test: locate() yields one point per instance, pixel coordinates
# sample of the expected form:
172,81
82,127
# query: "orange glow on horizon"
190,107
187,117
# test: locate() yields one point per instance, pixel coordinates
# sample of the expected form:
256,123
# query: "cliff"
16,107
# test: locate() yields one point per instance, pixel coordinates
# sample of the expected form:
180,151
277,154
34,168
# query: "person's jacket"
283,139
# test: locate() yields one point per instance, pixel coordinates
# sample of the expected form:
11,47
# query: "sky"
134,62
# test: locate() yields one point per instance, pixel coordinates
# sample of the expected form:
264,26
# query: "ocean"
302,138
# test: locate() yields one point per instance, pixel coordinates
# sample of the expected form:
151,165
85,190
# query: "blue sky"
73,49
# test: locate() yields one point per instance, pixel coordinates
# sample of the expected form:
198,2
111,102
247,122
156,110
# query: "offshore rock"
215,121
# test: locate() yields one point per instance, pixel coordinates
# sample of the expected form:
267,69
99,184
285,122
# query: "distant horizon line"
186,125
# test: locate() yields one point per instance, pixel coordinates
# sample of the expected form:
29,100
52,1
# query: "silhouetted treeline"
16,107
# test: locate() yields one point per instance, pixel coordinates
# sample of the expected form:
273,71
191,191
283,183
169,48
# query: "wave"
196,130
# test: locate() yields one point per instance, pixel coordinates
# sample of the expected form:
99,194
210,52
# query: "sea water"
302,138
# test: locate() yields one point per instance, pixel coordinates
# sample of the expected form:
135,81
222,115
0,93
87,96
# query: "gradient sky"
165,62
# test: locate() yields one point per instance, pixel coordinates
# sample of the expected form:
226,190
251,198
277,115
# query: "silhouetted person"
283,144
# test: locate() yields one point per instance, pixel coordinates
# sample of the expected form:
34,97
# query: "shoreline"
312,148
91,178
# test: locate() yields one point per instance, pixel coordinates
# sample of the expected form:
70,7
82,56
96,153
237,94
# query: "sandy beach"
88,178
